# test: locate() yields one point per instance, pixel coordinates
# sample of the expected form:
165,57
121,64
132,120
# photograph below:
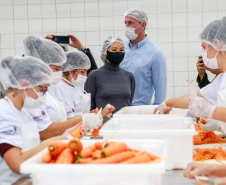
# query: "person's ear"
24,83
219,44
144,24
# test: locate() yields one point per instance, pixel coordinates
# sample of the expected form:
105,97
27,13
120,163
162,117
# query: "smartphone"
201,61
61,39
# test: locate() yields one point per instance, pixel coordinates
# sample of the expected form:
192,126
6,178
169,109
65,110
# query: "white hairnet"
107,43
216,30
65,46
138,14
76,60
47,50
24,72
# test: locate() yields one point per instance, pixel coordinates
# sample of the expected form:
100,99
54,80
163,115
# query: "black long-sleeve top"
110,84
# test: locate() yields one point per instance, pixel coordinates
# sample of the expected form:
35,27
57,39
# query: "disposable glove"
162,108
211,125
92,120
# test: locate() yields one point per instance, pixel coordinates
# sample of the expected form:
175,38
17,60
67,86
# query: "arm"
92,60
159,78
14,157
133,85
90,87
220,114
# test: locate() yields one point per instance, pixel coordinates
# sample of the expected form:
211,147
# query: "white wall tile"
192,63
6,2
62,1
48,1
180,78
179,6
194,49
170,92
35,25
6,12
209,5
7,41
48,11
134,4
194,19
169,62
81,36
20,12
193,33
34,11
221,5
19,40
164,21
193,76
194,5
106,23
77,10
106,8
92,24
19,51
180,64
164,7
63,25
152,34
179,49
7,26
209,17
221,13
170,79
95,51
179,20
179,91
92,38
77,1
63,10
21,26
167,49
119,23
34,1
180,35
165,35
7,52
120,8
150,7
120,34
91,9
78,24
104,35
152,21
16,2
49,25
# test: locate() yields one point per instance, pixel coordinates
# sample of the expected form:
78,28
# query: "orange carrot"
95,133
114,149
84,160
52,161
108,144
77,132
92,148
75,145
56,147
85,153
98,145
96,111
47,157
138,159
96,154
197,140
202,121
65,157
117,158
151,156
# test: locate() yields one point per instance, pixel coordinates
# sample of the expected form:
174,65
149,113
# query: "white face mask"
57,76
79,81
35,103
210,63
130,33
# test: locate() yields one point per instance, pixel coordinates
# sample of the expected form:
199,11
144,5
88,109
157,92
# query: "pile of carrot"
99,153
205,154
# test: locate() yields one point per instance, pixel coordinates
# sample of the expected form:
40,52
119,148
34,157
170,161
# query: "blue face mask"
115,57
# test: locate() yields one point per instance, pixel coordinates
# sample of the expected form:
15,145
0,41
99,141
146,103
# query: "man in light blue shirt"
144,59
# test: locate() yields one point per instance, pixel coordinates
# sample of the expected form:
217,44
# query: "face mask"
115,57
57,76
210,63
130,33
35,103
79,81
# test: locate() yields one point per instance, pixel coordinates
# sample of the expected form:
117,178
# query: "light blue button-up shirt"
148,64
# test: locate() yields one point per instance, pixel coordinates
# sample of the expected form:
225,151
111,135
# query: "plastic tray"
173,129
148,110
120,174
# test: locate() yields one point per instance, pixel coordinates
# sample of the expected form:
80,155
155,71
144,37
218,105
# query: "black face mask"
115,57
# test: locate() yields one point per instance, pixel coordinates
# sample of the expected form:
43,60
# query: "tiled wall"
174,26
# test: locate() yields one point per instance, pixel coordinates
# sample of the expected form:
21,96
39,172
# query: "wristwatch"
82,47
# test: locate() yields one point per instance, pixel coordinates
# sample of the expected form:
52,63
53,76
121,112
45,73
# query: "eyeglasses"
46,89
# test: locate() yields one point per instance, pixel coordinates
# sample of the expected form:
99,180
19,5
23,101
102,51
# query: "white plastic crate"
173,129
110,174
148,110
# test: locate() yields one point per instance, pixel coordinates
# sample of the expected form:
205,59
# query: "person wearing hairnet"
110,83
70,89
204,103
51,117
144,59
27,79
2,90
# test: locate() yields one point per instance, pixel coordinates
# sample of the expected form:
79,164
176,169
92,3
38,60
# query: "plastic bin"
148,110
173,129
120,174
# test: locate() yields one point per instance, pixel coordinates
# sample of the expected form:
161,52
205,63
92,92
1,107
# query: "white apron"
30,139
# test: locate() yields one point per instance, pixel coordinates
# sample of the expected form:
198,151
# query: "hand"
83,130
214,71
200,68
211,125
75,42
49,36
220,181
69,130
92,120
162,108
108,109
200,107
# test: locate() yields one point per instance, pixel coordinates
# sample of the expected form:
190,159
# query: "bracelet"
83,47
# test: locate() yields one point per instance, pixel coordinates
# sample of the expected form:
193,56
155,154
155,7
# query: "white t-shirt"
210,91
71,96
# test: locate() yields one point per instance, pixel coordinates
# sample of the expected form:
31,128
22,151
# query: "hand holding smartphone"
61,39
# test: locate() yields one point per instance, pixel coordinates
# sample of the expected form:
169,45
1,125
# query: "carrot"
75,145
98,145
96,154
47,157
85,153
108,144
197,140
151,156
65,157
95,133
202,121
92,148
52,161
117,158
77,132
96,111
138,159
83,160
114,149
56,147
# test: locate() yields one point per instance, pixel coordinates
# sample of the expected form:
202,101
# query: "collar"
139,44
110,66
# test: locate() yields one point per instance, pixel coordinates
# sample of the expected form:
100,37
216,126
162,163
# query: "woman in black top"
110,83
